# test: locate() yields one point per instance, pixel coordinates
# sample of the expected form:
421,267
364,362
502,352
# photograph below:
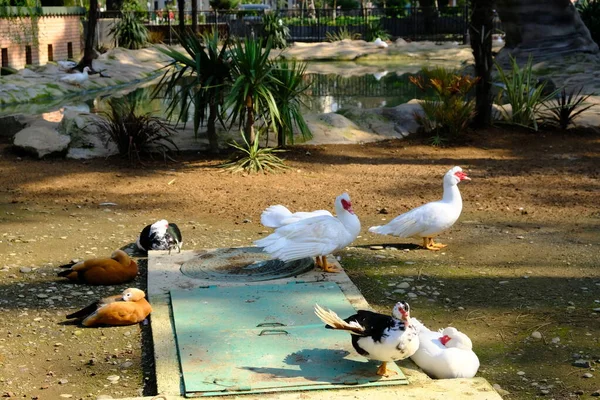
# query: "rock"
521,373
500,391
87,139
596,393
536,335
113,378
582,363
126,364
25,270
412,295
587,375
403,285
40,140
403,117
376,247
555,340
42,296
63,381
104,397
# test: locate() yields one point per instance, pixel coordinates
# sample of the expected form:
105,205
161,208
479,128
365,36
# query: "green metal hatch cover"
266,338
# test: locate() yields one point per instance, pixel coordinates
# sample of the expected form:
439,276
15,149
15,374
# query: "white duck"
316,236
430,219
445,355
278,215
66,65
380,43
377,336
76,78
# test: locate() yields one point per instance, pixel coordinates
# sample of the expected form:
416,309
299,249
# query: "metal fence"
414,23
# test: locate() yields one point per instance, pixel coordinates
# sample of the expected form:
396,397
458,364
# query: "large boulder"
41,140
87,139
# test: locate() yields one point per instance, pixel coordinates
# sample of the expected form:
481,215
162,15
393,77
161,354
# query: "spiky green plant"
375,30
341,34
564,108
450,112
135,135
199,78
290,95
251,158
523,93
129,31
276,30
251,95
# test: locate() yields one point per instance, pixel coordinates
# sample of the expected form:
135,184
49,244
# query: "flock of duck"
441,354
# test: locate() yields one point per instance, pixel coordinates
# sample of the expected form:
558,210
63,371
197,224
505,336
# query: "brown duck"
119,268
127,308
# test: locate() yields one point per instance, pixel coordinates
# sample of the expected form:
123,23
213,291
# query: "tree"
88,51
480,33
195,16
181,10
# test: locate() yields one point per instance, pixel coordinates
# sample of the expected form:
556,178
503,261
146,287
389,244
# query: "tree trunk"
280,135
195,16
429,15
249,128
480,33
89,53
181,10
542,28
211,129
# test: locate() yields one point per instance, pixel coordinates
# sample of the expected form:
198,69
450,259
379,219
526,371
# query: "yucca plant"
375,30
450,112
523,93
251,95
129,31
290,96
251,158
135,135
199,78
341,34
564,108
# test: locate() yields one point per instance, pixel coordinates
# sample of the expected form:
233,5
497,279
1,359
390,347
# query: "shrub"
223,4
564,108
129,31
523,93
589,10
252,158
375,30
342,34
135,135
450,112
276,30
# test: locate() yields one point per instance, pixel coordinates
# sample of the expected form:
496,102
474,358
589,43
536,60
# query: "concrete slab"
164,274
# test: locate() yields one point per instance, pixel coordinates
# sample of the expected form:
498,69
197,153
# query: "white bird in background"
380,43
430,219
278,215
316,236
379,75
76,78
66,65
446,354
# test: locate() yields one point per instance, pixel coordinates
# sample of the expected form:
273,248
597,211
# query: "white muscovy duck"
380,43
161,235
277,216
316,236
377,336
430,219
446,354
76,78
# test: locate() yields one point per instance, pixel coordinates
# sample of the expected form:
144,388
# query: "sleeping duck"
119,268
445,354
377,336
161,235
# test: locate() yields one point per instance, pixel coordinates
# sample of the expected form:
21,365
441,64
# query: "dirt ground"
522,258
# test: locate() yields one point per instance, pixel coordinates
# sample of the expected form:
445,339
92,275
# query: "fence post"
169,24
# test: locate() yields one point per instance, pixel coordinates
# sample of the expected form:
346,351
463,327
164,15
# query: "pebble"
62,381
596,310
66,396
502,282
500,391
412,295
579,392
113,378
587,375
403,285
41,296
376,247
544,391
104,397
536,335
25,270
126,364
555,340
582,363
521,373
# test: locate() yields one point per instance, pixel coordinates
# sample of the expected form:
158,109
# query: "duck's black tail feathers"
84,312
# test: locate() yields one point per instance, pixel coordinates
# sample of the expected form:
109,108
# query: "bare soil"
523,256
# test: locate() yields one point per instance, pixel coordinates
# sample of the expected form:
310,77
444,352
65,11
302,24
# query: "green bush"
251,158
450,112
129,32
224,4
340,34
276,30
523,93
375,30
589,10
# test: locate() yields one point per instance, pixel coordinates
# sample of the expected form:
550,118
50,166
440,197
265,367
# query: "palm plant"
253,159
198,78
135,134
251,95
129,31
289,95
276,30
564,108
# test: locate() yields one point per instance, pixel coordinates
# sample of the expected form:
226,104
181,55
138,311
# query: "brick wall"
17,39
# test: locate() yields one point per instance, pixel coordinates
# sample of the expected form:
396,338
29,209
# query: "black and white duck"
377,336
161,235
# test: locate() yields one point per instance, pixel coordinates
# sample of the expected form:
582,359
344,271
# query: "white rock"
113,378
536,335
403,285
521,373
41,140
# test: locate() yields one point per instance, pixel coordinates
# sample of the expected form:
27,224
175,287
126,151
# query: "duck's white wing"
428,219
306,238
273,216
